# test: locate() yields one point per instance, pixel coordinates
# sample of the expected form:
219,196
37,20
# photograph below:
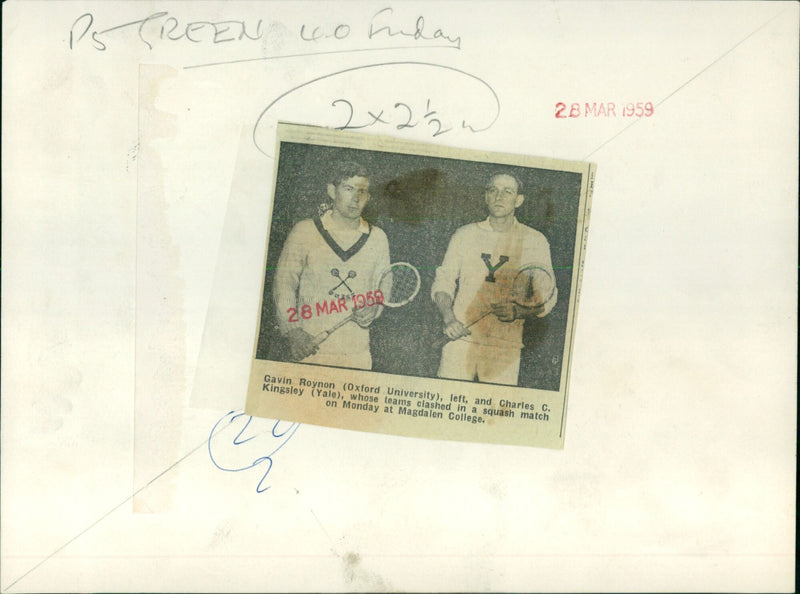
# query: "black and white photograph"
420,296
422,263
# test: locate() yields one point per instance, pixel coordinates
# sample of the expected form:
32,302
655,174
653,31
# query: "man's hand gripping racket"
396,286
527,295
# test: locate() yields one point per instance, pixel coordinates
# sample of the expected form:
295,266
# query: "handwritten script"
246,451
162,27
382,25
421,97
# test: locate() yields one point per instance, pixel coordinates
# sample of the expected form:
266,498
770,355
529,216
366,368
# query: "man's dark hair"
343,170
509,174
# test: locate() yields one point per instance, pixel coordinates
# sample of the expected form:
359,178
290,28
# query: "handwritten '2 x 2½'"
403,113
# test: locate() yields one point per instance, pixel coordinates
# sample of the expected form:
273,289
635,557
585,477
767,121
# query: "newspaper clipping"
419,290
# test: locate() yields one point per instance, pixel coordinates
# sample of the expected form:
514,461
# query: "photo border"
313,393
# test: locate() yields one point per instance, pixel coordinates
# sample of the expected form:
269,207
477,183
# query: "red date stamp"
338,305
607,109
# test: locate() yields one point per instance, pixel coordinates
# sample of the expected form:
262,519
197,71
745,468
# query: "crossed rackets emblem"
342,281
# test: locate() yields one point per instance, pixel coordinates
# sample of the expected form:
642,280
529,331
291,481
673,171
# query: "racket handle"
479,318
443,340
322,336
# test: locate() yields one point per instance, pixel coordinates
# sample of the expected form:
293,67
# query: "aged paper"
503,374
139,146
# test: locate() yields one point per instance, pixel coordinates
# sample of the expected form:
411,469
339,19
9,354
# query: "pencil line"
347,51
104,516
689,81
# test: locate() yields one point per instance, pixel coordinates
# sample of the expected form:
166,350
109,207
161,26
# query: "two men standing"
339,254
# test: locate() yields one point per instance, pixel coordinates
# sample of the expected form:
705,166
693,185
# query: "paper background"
678,471
418,225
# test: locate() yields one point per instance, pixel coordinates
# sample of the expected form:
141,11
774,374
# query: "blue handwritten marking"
277,433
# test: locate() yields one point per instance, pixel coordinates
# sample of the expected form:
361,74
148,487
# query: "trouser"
469,361
356,360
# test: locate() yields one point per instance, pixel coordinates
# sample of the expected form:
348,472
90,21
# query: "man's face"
502,197
350,196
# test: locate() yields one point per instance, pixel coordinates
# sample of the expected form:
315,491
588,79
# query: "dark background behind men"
419,202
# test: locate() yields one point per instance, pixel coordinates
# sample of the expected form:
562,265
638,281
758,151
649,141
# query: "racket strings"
399,284
532,287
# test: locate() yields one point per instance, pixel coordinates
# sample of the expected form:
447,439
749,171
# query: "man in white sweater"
480,264
328,265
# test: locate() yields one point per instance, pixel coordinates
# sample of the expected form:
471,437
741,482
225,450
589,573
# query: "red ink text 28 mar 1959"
607,109
337,305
